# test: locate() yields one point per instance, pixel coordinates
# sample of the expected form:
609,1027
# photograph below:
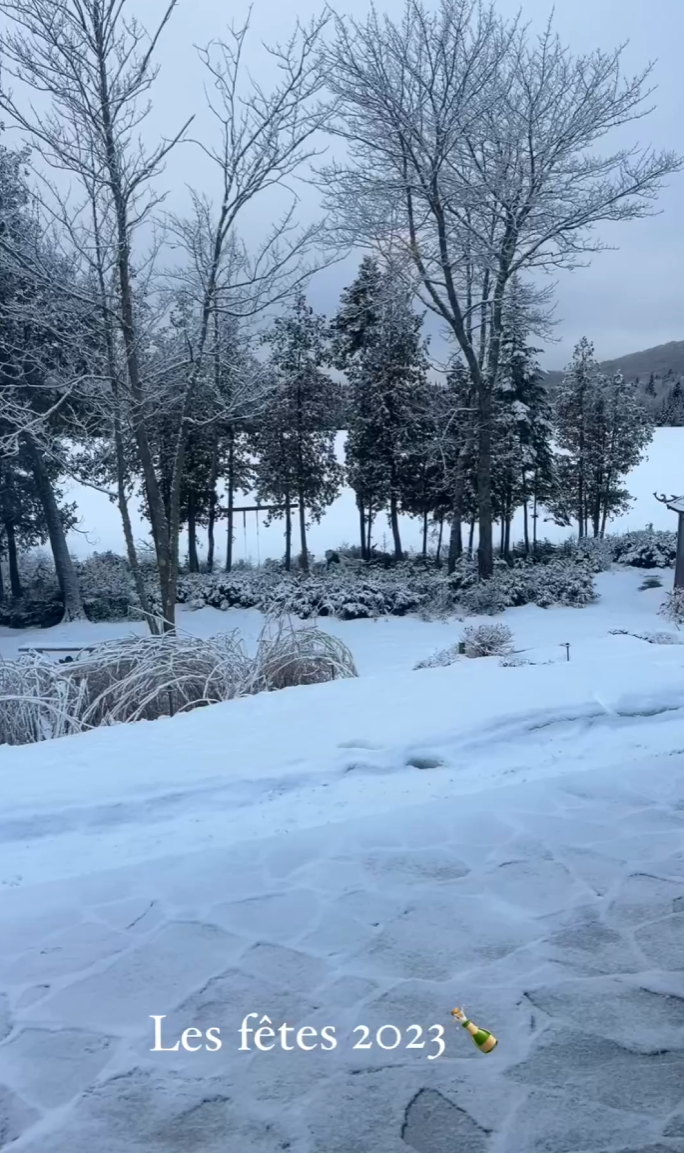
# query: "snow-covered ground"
369,852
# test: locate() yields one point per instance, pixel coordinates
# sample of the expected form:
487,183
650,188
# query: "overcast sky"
628,299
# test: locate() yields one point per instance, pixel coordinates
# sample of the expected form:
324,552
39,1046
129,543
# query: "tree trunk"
288,534
369,546
485,551
130,337
211,522
507,537
426,516
438,557
211,533
193,559
66,573
502,535
304,554
15,578
362,528
471,536
535,517
145,605
119,448
526,527
455,541
2,580
231,499
394,522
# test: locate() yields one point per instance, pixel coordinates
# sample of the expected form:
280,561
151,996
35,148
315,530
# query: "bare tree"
475,148
94,66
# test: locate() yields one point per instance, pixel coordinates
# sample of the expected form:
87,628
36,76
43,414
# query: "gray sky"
628,299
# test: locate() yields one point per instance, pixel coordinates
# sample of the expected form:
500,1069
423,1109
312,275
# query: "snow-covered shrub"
648,548
347,594
556,583
441,659
672,608
32,611
41,605
487,598
107,587
288,656
37,701
487,640
662,638
593,553
513,661
652,582
564,584
143,678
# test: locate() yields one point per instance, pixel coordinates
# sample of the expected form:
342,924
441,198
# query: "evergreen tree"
351,331
650,389
380,346
603,430
358,314
523,460
294,440
456,407
671,411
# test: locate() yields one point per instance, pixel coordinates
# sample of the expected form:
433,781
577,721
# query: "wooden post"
679,562
676,504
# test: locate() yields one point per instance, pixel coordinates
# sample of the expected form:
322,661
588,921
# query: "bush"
649,548
487,640
32,612
144,678
287,656
558,582
441,659
662,638
37,701
345,594
107,587
672,608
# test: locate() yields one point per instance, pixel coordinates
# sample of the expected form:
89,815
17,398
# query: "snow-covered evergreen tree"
523,461
295,439
602,430
389,431
671,410
352,330
377,341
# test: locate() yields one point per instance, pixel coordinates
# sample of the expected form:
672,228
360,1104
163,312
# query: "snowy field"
100,525
364,853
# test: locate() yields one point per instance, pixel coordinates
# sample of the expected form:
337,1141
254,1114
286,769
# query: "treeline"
156,368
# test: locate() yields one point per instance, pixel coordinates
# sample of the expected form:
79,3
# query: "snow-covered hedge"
649,548
345,594
558,582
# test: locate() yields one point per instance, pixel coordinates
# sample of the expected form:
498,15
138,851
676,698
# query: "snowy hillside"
370,853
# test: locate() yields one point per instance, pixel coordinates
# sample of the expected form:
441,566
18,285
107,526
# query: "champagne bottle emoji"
484,1040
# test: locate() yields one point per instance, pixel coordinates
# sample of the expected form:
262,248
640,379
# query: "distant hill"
656,370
